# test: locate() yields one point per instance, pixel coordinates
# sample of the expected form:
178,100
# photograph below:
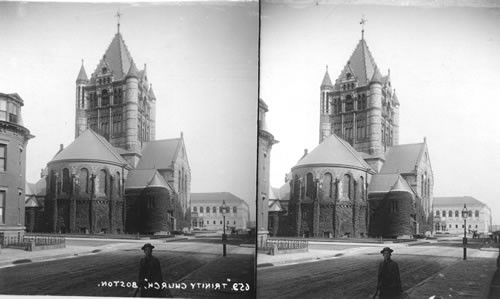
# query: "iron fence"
284,244
30,240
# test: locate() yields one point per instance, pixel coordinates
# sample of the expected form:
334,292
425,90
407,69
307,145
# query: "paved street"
352,272
96,274
346,277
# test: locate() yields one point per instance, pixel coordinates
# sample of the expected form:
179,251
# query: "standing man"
150,277
389,281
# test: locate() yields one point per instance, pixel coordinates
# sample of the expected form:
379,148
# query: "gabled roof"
403,158
145,178
118,58
383,183
160,154
31,202
274,206
457,201
334,151
215,197
90,146
361,64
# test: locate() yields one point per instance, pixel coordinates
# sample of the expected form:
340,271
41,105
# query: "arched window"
437,213
84,181
201,209
443,213
309,185
456,213
450,213
118,184
362,188
476,213
195,209
346,187
214,210
208,211
235,210
104,98
428,185
470,213
66,184
327,186
422,183
349,103
102,181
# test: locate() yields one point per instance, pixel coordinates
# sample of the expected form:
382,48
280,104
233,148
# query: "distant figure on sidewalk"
150,272
389,281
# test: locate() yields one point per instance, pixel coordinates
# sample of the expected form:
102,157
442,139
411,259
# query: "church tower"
361,106
117,101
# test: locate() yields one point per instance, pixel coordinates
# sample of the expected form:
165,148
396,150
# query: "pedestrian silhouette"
389,281
150,276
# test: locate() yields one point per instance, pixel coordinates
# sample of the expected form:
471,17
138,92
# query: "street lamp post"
224,237
465,214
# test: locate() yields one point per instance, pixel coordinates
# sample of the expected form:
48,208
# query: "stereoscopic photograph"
128,149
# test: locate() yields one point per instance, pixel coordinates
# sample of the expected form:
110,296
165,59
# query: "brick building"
359,181
13,142
206,211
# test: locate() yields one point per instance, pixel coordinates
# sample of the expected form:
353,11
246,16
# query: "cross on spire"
362,23
118,15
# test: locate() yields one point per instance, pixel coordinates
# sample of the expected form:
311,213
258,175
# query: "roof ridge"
353,151
108,146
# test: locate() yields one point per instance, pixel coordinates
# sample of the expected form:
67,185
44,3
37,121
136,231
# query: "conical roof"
334,151
82,75
117,57
361,64
132,71
326,80
92,147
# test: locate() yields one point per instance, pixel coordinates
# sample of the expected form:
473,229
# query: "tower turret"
325,124
131,112
152,113
80,103
375,115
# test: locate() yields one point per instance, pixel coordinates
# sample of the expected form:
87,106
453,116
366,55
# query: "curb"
300,261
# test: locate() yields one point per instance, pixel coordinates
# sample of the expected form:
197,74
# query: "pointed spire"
362,23
326,79
151,93
132,72
377,77
82,75
118,15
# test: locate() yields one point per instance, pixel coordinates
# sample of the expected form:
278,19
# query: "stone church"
115,177
359,181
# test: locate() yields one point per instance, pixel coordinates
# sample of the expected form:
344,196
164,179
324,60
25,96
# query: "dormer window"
348,76
104,70
8,111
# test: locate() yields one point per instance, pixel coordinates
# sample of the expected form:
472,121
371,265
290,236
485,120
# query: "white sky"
444,65
202,60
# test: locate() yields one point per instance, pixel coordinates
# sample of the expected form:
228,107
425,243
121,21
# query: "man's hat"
386,249
147,245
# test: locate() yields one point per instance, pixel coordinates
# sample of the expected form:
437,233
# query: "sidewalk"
9,256
266,260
